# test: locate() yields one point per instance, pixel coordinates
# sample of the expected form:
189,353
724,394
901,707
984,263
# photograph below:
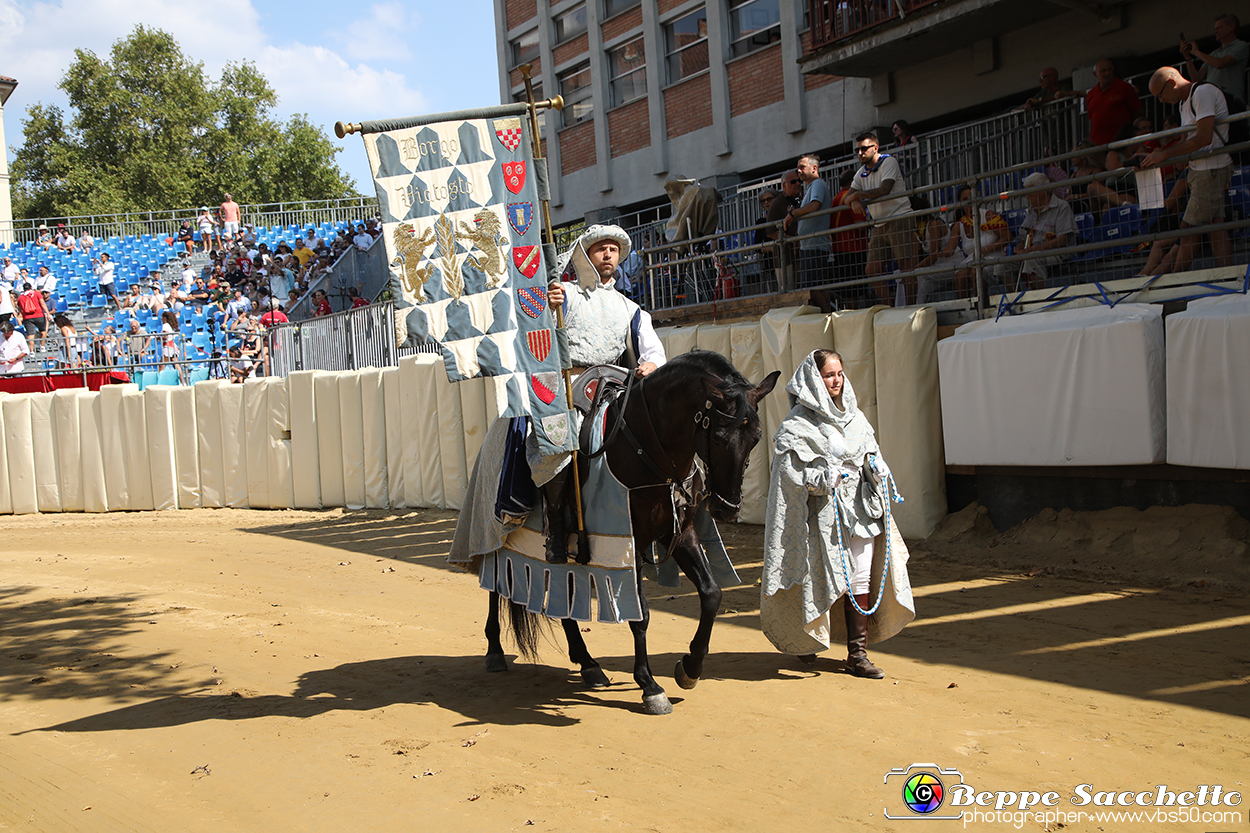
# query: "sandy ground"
261,671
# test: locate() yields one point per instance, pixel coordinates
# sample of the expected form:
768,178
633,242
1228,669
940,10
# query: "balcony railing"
835,20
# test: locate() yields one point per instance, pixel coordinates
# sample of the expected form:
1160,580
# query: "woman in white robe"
826,530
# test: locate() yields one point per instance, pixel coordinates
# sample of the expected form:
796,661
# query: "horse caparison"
669,421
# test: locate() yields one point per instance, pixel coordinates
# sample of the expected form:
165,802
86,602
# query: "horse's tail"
526,628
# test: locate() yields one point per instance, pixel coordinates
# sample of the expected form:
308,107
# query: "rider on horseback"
603,327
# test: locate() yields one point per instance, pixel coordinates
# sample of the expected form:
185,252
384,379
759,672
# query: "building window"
686,40
575,87
525,48
519,96
627,67
611,8
571,24
753,24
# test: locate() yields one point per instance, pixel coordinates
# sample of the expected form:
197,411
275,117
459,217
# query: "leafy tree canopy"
149,130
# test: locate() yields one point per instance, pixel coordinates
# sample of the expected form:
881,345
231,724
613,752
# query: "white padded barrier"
808,332
352,438
113,447
137,447
6,499
1208,384
186,446
305,459
1081,387
256,440
373,433
450,420
473,412
20,453
910,414
281,494
329,437
774,330
680,340
429,442
94,490
68,452
208,442
395,495
158,417
43,441
854,341
413,399
714,337
747,357
233,445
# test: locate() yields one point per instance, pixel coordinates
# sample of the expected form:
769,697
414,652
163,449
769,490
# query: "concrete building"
725,90
7,86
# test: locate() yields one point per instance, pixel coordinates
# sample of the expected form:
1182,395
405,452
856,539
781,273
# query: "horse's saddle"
594,386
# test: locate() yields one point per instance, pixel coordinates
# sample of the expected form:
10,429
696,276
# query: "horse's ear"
763,388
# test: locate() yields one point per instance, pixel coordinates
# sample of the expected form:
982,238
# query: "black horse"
695,404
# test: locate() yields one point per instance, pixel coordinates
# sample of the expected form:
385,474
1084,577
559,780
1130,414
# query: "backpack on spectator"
1236,132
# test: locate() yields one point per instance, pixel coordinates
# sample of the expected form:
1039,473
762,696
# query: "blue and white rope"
891,494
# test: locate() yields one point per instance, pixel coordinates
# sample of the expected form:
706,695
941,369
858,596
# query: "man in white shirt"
64,241
104,274
894,235
1201,104
14,349
9,272
45,282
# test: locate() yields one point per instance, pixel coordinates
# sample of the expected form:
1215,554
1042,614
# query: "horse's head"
725,435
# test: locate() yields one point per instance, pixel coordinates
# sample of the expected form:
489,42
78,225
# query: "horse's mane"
733,385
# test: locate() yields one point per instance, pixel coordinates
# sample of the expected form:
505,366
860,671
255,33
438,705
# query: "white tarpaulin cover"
20,453
186,446
138,452
305,461
1208,381
68,450
394,440
43,435
208,444
159,422
1079,387
256,440
744,340
373,433
352,439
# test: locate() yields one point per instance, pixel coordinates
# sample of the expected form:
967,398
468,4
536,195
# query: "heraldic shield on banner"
466,260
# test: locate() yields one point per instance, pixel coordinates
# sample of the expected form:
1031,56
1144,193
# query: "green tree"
149,130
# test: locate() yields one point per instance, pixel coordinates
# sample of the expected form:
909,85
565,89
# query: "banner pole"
583,540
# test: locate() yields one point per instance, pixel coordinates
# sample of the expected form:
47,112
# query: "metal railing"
350,340
1115,239
165,222
833,20
366,271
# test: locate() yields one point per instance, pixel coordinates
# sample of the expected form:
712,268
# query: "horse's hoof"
595,678
657,704
496,662
683,679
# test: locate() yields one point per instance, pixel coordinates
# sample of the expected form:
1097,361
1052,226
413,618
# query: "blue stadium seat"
99,301
1085,226
200,374
1014,219
168,376
1127,217
1241,176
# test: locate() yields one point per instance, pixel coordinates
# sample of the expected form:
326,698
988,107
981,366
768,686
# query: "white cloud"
383,35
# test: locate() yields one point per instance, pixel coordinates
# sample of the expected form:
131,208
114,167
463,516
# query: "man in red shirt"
34,313
1111,104
321,303
274,316
357,301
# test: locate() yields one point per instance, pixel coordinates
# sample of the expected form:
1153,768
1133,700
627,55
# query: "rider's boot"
857,640
555,501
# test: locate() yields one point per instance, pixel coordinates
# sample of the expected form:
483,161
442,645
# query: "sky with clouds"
333,61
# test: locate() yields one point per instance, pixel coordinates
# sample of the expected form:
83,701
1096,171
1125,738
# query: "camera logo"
923,789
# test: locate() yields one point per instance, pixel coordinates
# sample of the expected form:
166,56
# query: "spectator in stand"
14,350
292,298
186,237
303,253
939,247
1225,66
44,239
169,338
134,345
893,235
208,225
85,241
363,239
759,237
1048,224
70,354
238,304
312,241
371,226
45,282
64,240
357,301
814,251
1201,105
902,134
10,271
791,191
850,248
249,237
995,236
240,367
229,219
1111,104
321,303
7,305
34,313
103,347
274,315
1051,90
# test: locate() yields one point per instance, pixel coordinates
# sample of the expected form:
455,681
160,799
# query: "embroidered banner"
466,262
